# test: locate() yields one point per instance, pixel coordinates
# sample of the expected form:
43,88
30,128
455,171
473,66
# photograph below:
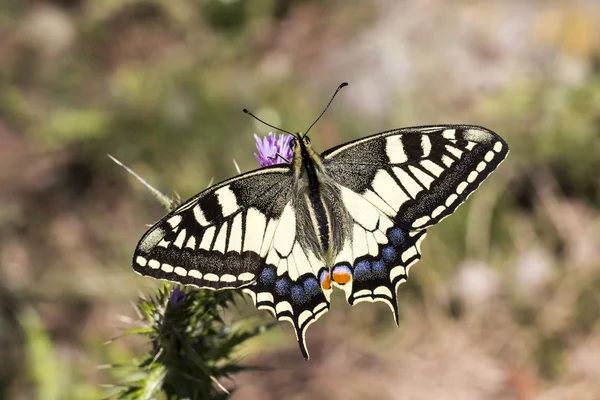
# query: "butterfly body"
352,217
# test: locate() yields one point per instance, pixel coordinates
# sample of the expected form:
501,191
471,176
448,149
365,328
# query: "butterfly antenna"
326,107
260,120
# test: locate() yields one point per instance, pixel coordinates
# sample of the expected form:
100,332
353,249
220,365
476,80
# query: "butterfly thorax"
316,201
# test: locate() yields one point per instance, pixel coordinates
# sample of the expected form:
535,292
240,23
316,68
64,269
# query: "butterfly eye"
306,140
293,144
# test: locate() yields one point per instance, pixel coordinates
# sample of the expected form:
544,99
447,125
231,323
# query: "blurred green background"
505,303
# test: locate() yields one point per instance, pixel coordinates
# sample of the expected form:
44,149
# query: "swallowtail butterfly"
352,217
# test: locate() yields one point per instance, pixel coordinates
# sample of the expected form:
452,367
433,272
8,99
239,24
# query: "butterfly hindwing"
417,176
376,255
288,285
219,238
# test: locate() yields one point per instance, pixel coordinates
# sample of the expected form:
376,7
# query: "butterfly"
352,217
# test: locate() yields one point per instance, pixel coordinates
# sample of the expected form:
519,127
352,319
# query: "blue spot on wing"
267,276
379,268
396,236
311,286
282,286
341,269
298,294
362,270
389,253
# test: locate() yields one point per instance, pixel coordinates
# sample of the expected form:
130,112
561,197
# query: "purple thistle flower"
270,146
177,296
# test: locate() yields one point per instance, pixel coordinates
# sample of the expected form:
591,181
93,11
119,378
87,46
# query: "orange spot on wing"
341,277
326,282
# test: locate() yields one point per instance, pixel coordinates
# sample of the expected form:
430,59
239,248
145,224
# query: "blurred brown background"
505,303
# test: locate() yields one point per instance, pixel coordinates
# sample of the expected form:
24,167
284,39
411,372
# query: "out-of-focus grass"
506,291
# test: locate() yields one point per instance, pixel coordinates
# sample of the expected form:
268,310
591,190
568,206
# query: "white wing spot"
167,268
397,271
211,277
191,243
383,291
481,166
461,187
256,223
235,238
154,264
141,261
425,145
180,238
228,278
395,150
320,307
180,271
449,134
422,177
164,243
304,316
408,254
454,151
207,238
470,145
284,306
451,199
286,231
361,293
489,156
498,147
221,237
408,182
245,276
174,221
433,167
421,221
438,211
264,297
227,200
194,273
472,176
447,160
199,215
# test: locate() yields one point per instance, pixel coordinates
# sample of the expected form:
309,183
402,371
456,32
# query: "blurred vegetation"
192,347
504,303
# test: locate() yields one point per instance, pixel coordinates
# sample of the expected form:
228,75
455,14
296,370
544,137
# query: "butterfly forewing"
417,176
219,238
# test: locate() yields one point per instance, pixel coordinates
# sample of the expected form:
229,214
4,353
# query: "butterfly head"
304,157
